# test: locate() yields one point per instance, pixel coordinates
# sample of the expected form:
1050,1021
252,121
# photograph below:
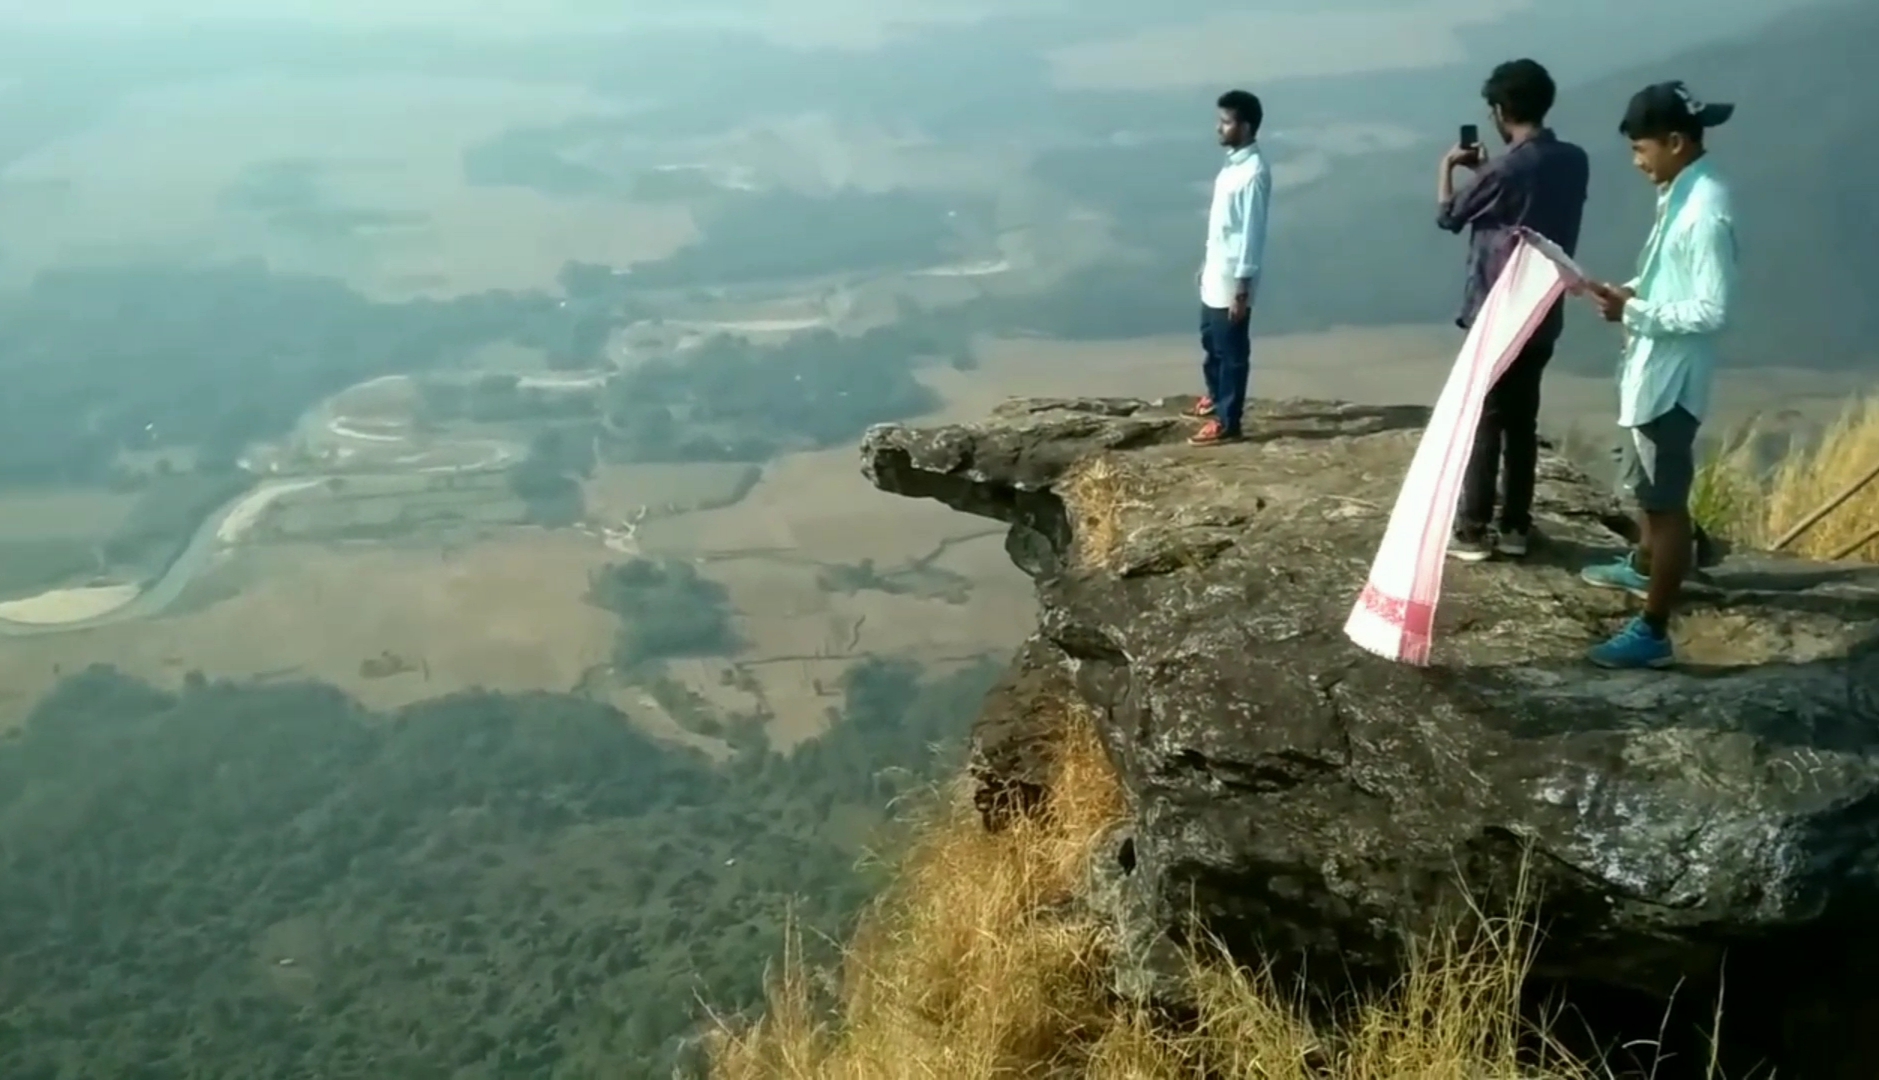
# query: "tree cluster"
666,609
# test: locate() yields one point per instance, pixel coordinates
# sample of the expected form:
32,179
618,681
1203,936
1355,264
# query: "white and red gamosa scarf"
1395,614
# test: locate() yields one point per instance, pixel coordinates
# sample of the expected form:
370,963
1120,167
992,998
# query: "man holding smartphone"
1540,184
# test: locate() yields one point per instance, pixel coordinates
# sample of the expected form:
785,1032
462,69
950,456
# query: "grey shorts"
1659,462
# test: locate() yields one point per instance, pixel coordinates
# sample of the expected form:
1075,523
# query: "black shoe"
1512,543
1470,544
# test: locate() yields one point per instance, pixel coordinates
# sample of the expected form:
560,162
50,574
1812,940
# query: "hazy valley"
350,374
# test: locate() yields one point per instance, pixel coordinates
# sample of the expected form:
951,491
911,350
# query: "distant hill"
1799,156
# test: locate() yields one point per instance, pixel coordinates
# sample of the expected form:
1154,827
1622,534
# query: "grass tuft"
1096,494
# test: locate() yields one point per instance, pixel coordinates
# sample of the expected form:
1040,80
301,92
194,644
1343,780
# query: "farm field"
617,492
387,623
55,536
72,514
390,507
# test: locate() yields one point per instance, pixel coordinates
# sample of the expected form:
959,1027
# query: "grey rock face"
1311,803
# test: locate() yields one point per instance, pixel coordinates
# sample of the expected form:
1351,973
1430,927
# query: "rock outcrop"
1714,827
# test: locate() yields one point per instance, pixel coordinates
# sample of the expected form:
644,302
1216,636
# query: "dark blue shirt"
1540,183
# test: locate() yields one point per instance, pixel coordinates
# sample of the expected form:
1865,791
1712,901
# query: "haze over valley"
443,627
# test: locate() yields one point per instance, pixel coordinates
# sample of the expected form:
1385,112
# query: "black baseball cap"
1662,108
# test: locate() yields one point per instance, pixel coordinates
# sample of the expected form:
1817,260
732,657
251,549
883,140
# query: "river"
207,541
194,558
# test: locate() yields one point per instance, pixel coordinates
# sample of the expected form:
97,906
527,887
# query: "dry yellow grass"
1737,498
969,968
961,971
1095,492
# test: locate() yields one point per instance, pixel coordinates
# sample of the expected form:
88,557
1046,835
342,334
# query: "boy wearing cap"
1672,313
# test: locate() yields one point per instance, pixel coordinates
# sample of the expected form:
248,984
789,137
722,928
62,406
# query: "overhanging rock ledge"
1311,804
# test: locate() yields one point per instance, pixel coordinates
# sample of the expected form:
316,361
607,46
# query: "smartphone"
1470,136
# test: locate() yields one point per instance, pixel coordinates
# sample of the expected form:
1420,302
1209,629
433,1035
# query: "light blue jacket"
1685,277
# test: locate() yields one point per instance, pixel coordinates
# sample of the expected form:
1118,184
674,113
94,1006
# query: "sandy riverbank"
68,605
339,426
755,326
977,269
250,509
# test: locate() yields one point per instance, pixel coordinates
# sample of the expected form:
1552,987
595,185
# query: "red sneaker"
1202,408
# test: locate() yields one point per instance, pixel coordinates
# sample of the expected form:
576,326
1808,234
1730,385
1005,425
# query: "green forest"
269,881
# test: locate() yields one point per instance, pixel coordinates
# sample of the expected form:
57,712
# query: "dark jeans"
1228,350
1509,437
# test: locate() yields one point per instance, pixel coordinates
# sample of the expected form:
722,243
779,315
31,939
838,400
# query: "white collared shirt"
1236,228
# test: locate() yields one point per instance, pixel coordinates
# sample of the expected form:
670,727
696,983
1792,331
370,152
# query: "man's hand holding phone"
1468,151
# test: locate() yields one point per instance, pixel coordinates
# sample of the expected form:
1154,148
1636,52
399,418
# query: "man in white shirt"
1229,272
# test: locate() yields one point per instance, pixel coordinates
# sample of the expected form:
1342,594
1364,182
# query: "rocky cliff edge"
1310,804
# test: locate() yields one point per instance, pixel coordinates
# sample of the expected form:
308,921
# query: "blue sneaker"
1636,646
1621,574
